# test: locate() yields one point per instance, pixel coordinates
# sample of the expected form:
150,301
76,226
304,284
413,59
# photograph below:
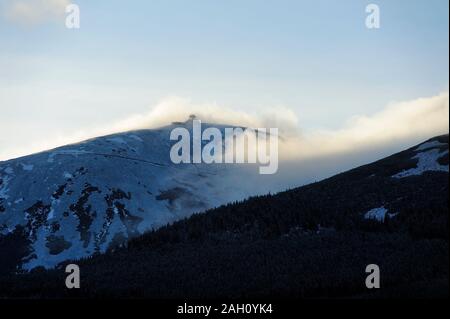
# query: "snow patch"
4,187
50,214
67,175
27,167
65,152
54,202
118,140
392,215
427,161
378,214
427,145
137,138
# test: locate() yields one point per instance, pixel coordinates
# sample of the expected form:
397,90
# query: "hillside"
81,199
312,241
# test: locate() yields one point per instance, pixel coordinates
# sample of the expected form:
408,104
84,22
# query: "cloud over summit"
406,123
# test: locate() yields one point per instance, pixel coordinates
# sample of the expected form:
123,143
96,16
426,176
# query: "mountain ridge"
311,241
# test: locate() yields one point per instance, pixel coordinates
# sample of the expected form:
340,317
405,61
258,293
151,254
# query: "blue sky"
316,58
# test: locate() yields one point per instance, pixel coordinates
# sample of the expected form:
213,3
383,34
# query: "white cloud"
401,123
174,109
31,12
405,122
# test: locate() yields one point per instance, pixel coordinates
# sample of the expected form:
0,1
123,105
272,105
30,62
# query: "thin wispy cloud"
413,120
32,12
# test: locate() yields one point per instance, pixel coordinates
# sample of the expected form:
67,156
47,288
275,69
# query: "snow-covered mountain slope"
80,199
305,242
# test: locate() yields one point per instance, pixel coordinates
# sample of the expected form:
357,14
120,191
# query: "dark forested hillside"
312,241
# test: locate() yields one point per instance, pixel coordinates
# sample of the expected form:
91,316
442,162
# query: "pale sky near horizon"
315,58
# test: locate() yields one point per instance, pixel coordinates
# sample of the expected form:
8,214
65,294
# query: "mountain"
81,199
311,241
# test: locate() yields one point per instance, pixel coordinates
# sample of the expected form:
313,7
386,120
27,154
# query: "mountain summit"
81,199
